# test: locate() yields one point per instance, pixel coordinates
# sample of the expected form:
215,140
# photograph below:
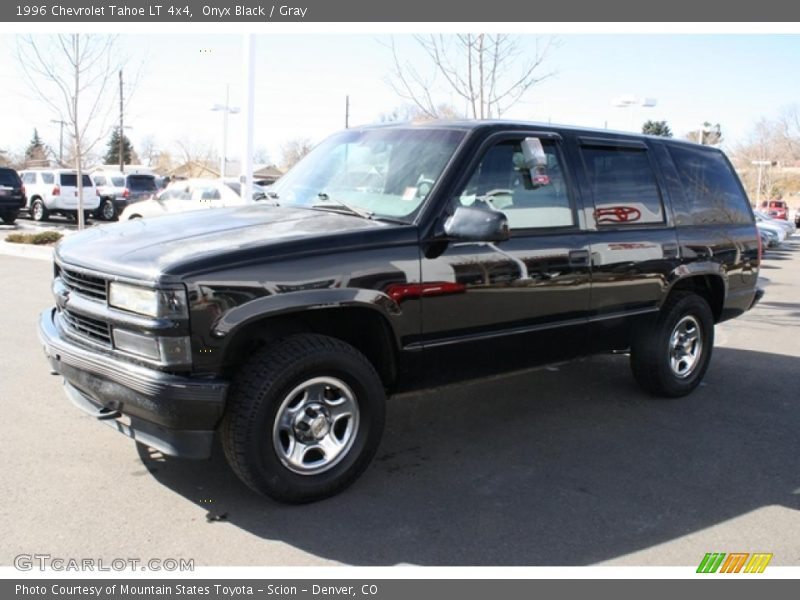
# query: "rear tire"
107,211
670,356
10,217
304,418
39,211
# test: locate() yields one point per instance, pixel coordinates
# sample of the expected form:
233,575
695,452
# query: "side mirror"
470,224
534,162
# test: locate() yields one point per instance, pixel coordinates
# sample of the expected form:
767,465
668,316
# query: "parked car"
788,226
777,209
769,225
117,190
400,257
769,238
187,195
12,195
55,191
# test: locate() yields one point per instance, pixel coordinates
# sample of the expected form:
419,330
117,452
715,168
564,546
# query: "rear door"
633,243
68,184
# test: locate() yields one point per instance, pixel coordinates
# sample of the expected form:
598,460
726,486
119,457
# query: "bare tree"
293,150
411,112
488,72
74,75
150,150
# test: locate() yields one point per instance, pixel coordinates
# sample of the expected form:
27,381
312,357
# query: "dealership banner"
387,589
511,11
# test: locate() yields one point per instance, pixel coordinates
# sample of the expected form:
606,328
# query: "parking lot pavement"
568,465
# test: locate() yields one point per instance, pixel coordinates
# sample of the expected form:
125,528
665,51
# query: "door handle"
579,258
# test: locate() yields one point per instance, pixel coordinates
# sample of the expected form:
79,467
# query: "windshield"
385,172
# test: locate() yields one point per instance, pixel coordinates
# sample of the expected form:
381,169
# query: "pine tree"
36,150
112,152
657,128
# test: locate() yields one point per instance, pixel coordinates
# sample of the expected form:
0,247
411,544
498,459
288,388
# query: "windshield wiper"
359,212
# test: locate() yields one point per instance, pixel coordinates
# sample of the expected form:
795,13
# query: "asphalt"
570,465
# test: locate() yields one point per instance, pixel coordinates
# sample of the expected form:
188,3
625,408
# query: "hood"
149,248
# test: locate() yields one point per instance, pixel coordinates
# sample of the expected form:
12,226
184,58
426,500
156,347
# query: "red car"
777,209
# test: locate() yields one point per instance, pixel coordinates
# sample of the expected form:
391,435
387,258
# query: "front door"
490,307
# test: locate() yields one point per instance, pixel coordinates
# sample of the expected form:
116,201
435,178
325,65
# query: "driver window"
502,182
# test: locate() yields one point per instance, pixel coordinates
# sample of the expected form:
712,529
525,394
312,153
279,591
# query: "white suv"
55,191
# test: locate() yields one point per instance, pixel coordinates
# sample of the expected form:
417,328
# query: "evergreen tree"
112,151
36,150
657,128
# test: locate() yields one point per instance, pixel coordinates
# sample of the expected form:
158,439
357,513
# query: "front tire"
670,357
10,217
304,418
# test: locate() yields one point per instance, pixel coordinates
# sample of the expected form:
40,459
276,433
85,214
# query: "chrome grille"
86,327
86,285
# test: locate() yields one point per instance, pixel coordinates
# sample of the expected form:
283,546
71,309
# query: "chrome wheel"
38,211
315,425
108,211
685,346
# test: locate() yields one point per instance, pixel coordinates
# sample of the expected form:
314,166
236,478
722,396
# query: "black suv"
398,257
12,195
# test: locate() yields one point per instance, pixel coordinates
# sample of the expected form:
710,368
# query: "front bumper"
174,414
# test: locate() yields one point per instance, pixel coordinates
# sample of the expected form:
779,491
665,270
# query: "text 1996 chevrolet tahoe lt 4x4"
391,258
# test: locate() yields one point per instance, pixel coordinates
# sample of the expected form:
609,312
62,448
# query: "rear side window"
99,180
48,178
142,183
9,178
713,193
29,177
623,185
71,180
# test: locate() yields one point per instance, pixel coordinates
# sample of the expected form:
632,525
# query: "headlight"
146,301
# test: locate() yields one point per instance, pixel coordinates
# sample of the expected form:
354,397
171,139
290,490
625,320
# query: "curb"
26,251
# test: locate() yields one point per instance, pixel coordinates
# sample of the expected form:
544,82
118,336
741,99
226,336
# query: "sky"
302,81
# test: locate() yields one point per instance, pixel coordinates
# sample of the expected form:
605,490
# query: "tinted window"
48,177
623,186
142,183
502,182
9,178
710,186
71,180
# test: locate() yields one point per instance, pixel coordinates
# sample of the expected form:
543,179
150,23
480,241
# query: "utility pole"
121,138
60,140
760,164
347,112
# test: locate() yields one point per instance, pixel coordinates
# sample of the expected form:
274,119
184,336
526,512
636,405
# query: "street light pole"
226,109
761,164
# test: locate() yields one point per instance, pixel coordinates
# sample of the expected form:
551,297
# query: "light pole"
226,109
760,164
60,139
631,101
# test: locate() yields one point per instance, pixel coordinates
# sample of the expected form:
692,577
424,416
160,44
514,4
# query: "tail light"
22,188
56,191
126,193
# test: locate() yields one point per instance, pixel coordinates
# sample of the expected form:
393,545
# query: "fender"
687,271
283,304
